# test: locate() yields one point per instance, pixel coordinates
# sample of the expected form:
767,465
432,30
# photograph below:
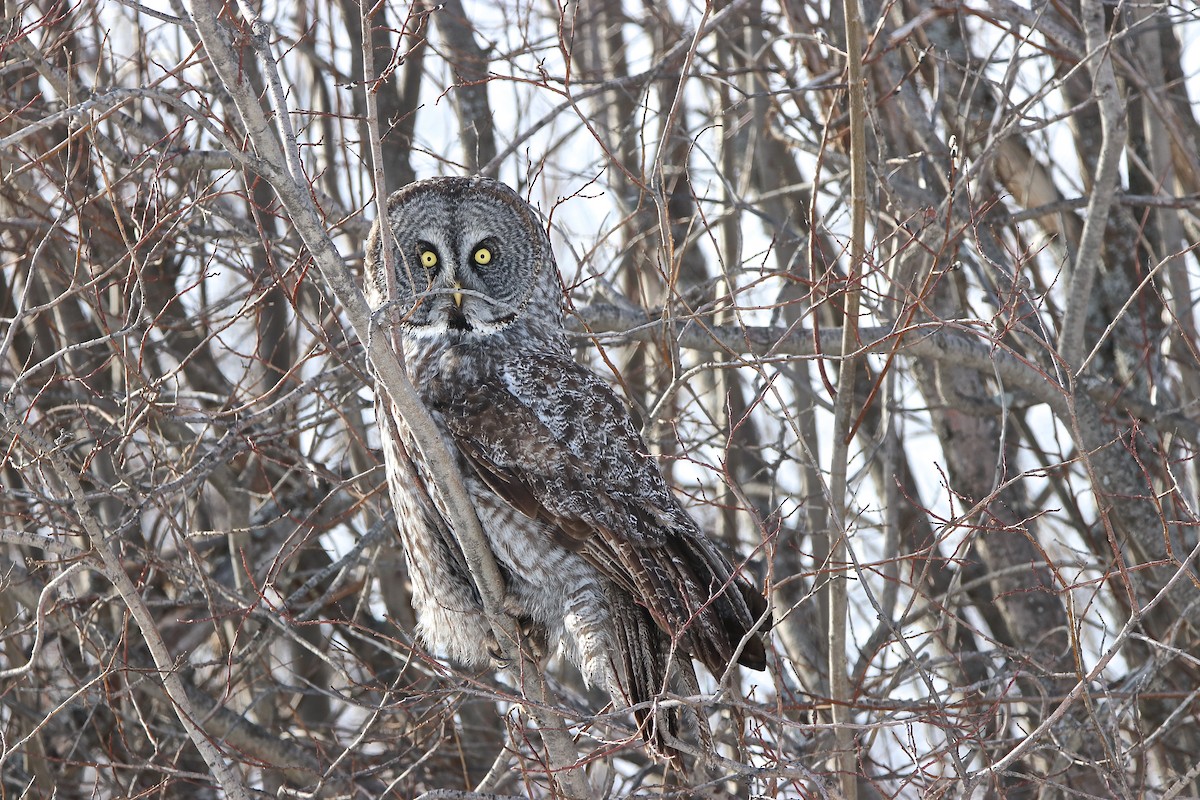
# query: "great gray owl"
597,553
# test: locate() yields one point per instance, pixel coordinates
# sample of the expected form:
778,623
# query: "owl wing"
552,439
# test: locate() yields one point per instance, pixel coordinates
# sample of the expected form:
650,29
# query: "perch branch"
295,196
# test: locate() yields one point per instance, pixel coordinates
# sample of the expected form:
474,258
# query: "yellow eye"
483,256
429,259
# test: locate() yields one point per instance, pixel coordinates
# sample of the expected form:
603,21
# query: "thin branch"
845,757
1112,132
39,618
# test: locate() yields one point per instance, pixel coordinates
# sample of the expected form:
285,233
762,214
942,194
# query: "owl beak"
457,295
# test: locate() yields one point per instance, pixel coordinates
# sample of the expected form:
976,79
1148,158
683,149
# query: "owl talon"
537,649
532,642
532,639
493,649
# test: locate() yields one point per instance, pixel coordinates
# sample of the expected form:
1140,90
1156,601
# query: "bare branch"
1112,130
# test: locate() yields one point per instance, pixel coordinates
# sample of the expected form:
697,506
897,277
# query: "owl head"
469,259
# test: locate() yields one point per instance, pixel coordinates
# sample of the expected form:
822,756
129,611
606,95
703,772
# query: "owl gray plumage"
596,551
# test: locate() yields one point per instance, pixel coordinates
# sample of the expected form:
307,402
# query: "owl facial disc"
469,258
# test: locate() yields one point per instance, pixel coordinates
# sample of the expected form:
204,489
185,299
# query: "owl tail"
717,614
651,668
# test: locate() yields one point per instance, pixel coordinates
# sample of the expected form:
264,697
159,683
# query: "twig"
469,63
1133,296
666,61
220,722
458,794
260,37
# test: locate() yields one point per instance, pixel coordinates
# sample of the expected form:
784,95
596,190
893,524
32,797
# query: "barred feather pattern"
596,551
